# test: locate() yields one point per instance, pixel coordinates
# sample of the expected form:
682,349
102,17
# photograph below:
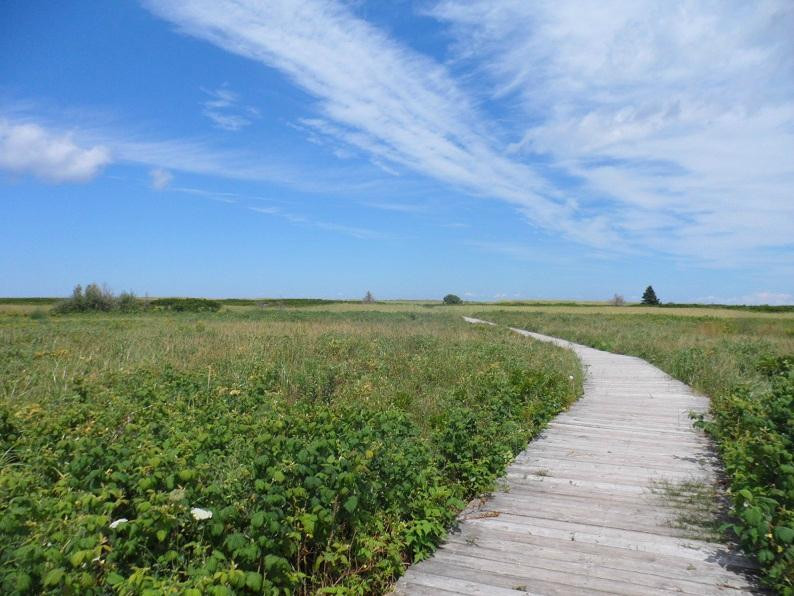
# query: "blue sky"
491,149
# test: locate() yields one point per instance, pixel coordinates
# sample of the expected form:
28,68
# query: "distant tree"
649,297
368,299
452,299
617,300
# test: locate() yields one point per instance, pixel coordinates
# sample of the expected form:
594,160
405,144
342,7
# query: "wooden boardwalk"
580,510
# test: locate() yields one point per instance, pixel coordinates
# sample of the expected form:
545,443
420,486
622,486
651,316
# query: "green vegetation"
452,299
184,304
261,451
746,366
97,299
33,300
747,307
698,504
281,302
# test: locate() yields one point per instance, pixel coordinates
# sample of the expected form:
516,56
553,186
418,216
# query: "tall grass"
330,449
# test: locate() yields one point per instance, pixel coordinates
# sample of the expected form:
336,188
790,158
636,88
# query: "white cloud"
160,178
89,146
27,147
677,117
355,232
375,95
225,110
398,207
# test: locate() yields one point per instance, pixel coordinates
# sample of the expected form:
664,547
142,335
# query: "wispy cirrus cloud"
678,116
397,106
160,178
224,108
28,148
397,207
355,232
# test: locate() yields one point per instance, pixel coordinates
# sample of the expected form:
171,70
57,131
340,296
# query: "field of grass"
275,450
745,364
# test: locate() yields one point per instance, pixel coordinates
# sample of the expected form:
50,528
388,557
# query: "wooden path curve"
580,510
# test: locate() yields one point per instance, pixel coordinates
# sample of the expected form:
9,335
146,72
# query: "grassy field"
332,442
745,364
252,450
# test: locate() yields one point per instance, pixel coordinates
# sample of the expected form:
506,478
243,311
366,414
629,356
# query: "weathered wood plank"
505,544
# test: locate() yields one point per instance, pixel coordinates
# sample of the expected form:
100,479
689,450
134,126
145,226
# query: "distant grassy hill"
38,300
303,302
750,307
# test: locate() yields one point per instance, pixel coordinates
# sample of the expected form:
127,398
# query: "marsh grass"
332,447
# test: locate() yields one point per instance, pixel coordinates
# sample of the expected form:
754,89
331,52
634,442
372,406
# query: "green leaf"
53,577
23,582
253,580
351,504
161,534
258,519
185,475
308,521
753,516
784,534
77,558
236,541
274,561
114,578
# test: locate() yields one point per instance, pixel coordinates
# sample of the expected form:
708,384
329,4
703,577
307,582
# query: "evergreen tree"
369,298
649,297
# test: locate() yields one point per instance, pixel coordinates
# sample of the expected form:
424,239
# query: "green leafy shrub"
294,453
97,299
452,299
185,304
756,437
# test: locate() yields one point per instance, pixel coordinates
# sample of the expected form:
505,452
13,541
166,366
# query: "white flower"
118,522
570,377
200,514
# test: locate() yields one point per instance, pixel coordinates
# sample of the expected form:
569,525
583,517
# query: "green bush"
452,299
97,299
756,438
295,454
186,304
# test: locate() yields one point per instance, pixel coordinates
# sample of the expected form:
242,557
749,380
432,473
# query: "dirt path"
608,499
